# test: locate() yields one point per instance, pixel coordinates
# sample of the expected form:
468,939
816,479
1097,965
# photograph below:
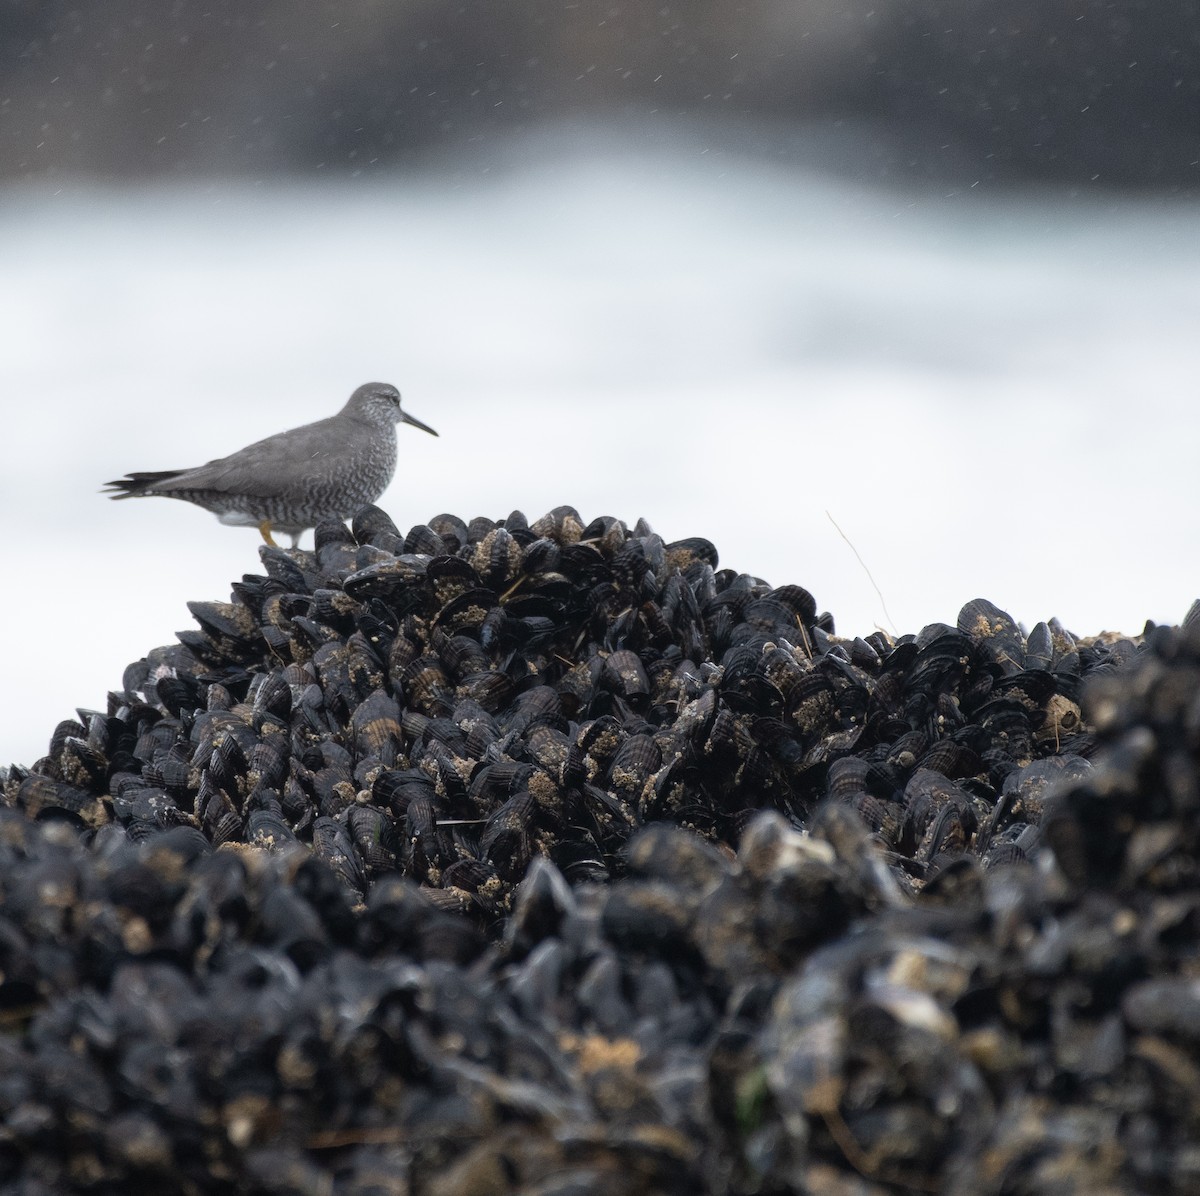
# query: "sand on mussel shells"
552,857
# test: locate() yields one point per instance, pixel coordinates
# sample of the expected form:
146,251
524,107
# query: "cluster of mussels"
552,858
452,703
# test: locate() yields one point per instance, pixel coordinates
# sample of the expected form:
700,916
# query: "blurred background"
915,283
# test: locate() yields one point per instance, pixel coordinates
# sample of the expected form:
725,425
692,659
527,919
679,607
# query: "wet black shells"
552,857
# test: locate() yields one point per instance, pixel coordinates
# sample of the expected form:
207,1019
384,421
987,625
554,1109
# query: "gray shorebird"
291,481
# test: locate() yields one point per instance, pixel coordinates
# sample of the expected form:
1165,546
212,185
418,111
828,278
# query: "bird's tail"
135,485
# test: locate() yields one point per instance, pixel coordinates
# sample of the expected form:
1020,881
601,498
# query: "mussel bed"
552,858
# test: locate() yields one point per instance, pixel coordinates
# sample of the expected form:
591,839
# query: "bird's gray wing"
265,469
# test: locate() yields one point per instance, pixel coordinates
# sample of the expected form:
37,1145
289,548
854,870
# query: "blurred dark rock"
1094,91
1075,92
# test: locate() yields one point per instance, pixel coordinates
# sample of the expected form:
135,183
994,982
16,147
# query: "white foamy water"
992,394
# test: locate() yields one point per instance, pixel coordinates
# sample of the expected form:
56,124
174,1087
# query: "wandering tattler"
291,481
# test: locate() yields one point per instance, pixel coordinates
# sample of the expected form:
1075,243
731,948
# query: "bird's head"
380,402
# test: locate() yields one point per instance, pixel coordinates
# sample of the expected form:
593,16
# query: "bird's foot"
265,529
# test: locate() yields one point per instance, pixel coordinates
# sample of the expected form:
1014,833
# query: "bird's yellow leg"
265,529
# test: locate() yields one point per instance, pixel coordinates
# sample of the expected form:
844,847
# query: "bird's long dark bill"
416,423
